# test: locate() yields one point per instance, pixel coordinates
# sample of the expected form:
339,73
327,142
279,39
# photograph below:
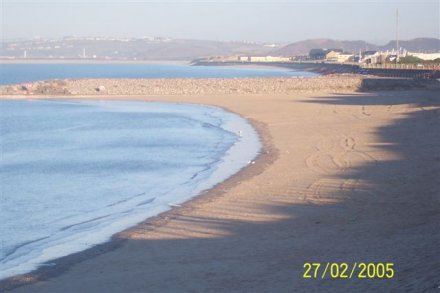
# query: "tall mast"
397,34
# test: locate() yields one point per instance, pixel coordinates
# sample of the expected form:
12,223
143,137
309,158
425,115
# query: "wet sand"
348,177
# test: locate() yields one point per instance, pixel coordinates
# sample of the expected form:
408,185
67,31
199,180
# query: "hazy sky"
271,21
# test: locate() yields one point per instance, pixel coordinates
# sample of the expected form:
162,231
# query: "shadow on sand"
391,215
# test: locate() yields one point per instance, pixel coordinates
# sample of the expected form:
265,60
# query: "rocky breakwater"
130,87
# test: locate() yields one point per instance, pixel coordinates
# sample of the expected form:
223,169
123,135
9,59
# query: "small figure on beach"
27,87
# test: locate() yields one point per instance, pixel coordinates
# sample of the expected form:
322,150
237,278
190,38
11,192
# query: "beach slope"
348,177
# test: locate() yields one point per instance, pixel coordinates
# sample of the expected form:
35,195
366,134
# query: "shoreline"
59,265
341,167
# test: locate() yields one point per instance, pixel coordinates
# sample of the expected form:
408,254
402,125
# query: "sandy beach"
344,176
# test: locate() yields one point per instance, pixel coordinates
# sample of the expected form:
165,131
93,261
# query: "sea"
75,172
20,73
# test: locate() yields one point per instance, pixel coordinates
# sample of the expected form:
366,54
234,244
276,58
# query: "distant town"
126,49
338,56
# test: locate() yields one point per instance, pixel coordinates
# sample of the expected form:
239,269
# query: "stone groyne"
329,83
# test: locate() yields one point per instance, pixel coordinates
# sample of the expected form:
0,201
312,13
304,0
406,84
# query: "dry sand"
349,177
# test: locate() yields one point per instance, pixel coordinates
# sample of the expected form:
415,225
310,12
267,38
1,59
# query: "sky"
279,21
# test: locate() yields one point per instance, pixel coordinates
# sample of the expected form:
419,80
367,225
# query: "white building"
267,59
425,56
339,57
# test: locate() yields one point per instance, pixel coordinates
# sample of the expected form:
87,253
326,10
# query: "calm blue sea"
19,73
75,172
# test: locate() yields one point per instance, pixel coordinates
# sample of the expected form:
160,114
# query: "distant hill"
128,49
426,45
303,47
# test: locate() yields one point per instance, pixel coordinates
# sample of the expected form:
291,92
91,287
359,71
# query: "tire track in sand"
331,158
